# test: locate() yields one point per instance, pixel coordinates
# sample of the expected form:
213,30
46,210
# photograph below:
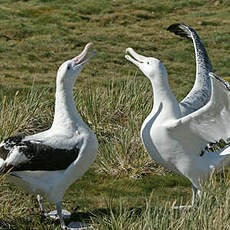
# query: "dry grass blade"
5,174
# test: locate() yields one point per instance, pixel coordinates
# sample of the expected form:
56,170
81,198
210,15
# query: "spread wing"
207,125
19,155
201,91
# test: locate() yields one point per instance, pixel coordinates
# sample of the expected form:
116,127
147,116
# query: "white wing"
208,124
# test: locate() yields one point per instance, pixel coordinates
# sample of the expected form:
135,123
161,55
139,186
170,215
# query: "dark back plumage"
38,156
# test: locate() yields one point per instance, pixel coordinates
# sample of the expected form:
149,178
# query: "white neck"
164,97
65,114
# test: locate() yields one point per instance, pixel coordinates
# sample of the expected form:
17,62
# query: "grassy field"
124,189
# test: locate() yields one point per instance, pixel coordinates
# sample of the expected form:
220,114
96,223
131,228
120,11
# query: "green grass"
124,189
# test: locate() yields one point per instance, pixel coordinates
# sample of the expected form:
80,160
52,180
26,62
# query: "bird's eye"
68,67
148,63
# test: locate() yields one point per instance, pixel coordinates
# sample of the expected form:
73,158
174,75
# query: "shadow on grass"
102,212
86,217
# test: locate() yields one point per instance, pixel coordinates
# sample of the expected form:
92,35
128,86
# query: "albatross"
178,142
47,163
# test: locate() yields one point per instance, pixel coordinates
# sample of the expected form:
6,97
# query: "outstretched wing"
20,155
201,91
207,125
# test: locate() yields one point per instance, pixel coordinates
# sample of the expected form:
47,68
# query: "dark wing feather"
176,29
39,156
8,144
201,91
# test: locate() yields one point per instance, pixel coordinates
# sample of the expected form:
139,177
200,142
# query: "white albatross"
178,142
47,163
201,90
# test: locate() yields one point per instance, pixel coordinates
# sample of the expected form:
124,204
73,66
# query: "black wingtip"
180,29
173,27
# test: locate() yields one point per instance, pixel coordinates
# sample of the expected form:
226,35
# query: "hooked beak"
82,59
136,58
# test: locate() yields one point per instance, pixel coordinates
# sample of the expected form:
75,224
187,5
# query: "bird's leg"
41,204
52,214
72,225
59,213
199,192
194,193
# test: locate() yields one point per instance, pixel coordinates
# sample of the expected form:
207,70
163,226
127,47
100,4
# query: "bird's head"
148,65
69,70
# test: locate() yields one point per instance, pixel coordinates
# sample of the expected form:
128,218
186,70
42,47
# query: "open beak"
134,57
82,59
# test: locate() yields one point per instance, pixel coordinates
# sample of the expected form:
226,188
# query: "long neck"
65,114
164,97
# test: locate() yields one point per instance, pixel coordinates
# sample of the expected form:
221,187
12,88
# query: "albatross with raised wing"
178,141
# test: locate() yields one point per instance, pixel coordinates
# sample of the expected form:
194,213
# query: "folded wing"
19,155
